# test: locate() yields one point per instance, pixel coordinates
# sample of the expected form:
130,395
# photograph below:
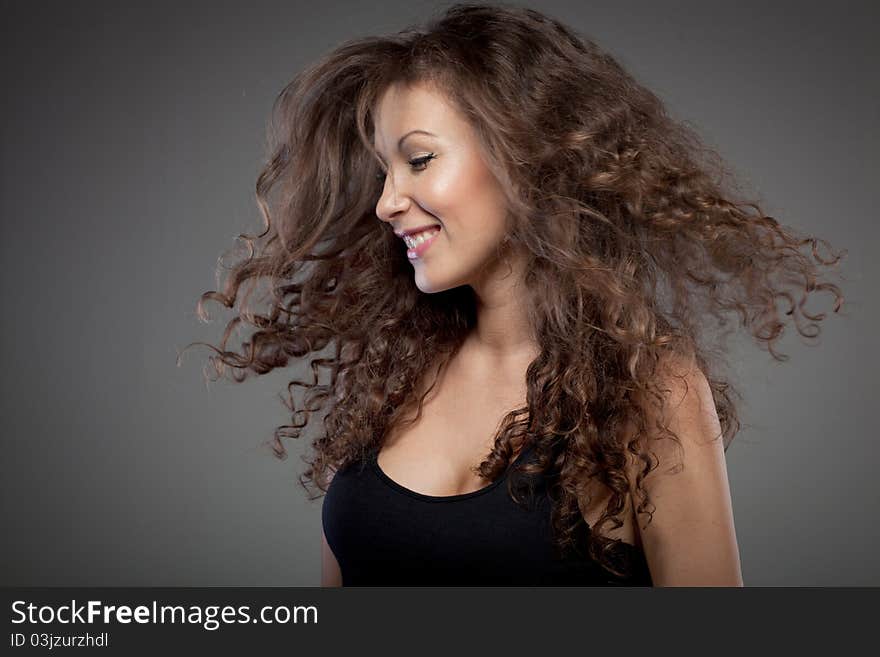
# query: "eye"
422,162
418,164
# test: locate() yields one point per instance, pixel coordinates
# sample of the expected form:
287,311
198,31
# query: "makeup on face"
417,239
439,197
419,242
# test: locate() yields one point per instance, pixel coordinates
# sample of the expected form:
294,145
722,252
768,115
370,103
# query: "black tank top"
384,534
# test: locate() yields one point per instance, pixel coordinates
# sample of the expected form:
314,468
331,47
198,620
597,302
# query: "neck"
502,332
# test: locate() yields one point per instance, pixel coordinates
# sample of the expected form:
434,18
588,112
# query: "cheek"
443,195
484,216
467,199
456,181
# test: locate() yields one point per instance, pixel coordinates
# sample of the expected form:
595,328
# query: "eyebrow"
411,132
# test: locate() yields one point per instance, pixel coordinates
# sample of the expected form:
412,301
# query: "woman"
515,257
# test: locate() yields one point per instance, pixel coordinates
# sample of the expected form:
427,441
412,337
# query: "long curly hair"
639,249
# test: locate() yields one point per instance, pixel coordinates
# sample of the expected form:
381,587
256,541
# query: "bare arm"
691,540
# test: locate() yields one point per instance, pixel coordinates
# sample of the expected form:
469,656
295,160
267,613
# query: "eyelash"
414,162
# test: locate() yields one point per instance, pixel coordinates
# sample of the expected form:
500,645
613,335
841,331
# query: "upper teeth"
413,241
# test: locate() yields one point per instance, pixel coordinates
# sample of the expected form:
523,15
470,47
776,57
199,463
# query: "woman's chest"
437,453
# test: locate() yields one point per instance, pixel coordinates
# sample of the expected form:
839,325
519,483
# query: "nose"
392,202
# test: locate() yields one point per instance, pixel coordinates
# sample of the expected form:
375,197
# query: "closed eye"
417,164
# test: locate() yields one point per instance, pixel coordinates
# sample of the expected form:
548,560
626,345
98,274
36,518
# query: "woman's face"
438,180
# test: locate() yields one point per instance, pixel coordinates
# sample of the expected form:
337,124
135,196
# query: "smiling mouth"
420,242
412,241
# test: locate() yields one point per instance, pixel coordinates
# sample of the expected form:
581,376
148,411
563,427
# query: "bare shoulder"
689,403
690,539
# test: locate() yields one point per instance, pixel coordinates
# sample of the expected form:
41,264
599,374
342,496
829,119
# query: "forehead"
402,108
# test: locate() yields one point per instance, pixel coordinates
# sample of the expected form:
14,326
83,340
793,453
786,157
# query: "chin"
429,284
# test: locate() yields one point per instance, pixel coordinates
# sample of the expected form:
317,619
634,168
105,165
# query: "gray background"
131,139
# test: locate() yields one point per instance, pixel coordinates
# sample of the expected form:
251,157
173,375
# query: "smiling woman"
514,255
438,178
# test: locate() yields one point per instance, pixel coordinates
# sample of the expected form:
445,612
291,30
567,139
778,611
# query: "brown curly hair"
637,245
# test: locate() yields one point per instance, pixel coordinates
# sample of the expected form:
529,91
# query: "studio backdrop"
132,136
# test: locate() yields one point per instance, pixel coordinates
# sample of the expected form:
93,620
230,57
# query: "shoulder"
688,401
686,406
684,382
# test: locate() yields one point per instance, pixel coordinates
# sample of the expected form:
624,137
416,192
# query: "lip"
412,231
418,251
